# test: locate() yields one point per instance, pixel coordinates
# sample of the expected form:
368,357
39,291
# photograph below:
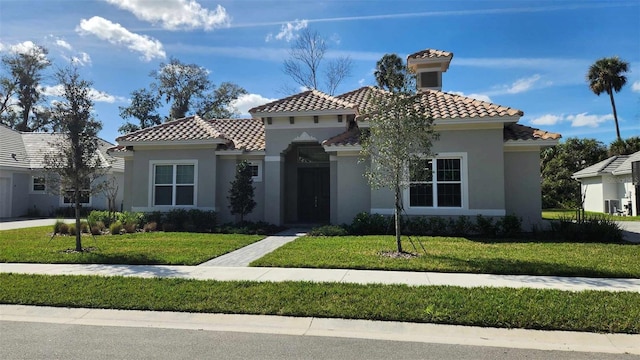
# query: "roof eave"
477,120
144,143
264,114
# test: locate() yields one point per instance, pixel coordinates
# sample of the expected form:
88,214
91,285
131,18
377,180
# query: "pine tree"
241,192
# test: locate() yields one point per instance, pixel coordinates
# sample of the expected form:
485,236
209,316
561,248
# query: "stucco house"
612,186
304,151
23,185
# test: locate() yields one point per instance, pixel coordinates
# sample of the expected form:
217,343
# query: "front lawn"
32,245
595,311
450,254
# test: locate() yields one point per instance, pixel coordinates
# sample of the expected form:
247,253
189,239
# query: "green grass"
32,245
447,254
555,214
593,311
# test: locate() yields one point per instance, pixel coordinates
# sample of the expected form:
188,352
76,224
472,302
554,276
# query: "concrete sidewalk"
307,326
329,275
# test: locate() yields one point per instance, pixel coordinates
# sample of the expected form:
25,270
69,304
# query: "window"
256,170
38,184
85,195
443,190
173,184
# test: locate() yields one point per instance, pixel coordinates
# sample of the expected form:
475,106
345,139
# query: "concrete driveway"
21,223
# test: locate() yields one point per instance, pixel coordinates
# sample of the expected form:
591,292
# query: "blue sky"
530,55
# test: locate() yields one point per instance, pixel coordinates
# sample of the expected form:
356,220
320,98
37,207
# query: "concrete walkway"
244,256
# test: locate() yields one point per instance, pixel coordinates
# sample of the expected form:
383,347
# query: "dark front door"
313,194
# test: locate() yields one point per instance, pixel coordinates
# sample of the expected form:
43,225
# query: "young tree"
74,170
241,192
24,72
305,63
399,140
144,105
607,75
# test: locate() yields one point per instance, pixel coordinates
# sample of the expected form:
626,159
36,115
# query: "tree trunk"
615,114
397,218
78,229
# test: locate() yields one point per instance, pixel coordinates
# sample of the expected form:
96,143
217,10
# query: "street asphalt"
235,268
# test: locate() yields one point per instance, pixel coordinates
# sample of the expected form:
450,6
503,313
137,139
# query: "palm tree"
607,75
389,72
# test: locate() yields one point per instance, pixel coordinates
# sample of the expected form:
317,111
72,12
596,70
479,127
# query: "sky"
529,55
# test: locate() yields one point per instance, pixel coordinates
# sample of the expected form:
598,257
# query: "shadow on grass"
504,266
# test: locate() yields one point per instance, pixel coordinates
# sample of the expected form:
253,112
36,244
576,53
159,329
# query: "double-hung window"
174,184
436,183
38,184
85,194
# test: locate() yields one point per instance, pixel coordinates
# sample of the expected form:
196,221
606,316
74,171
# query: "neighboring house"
305,153
609,185
23,187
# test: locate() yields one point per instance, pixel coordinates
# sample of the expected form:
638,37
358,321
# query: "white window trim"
32,191
464,178
151,193
62,203
257,178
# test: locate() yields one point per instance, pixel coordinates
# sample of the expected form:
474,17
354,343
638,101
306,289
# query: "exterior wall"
128,188
20,198
522,186
353,193
226,174
483,153
141,177
591,189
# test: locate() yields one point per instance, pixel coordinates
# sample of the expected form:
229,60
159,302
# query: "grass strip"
450,254
556,214
35,245
593,311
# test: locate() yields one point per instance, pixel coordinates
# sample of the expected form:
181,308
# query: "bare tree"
305,63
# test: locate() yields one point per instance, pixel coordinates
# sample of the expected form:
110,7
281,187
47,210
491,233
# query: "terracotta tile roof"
450,106
430,54
307,101
522,132
245,134
189,128
347,138
362,97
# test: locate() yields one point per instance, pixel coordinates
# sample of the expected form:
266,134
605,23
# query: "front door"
313,194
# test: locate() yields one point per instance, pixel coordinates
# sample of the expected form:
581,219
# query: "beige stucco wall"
353,193
141,177
522,186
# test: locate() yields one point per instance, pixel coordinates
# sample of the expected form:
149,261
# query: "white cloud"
593,121
116,34
361,82
635,87
522,85
26,47
288,31
481,97
83,59
547,119
63,44
248,101
176,14
95,95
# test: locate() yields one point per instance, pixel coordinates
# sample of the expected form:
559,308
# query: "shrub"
97,228
438,226
417,225
372,224
155,217
509,226
115,228
130,227
177,217
168,227
84,227
249,228
103,216
461,226
594,228
150,226
129,218
328,230
58,226
202,221
72,229
63,228
485,226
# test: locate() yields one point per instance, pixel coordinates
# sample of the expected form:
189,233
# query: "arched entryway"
307,184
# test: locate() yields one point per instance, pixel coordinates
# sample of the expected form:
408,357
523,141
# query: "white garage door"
5,197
